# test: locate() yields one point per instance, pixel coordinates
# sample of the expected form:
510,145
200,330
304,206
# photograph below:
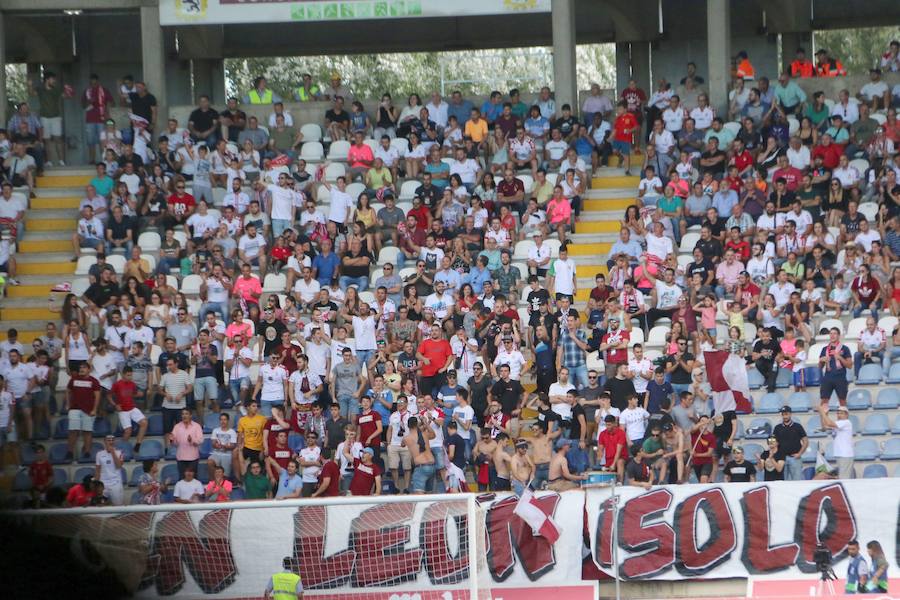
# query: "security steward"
285,585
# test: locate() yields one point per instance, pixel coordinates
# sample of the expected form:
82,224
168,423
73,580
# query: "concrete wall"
669,57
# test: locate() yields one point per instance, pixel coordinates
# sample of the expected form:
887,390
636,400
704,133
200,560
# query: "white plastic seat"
312,151
80,286
367,297
888,323
527,181
388,254
338,150
84,264
522,249
793,125
408,189
855,327
181,236
149,241
554,246
401,144
355,189
880,117
371,143
828,324
733,126
688,242
861,165
274,283
117,262
190,285
151,262
335,170
312,133
869,210
406,272
657,336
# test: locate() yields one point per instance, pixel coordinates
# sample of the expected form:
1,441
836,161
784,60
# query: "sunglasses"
592,377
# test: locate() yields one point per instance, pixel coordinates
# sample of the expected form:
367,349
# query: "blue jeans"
265,406
364,355
349,406
577,458
206,388
578,376
361,283
888,359
793,469
216,307
422,476
235,386
279,225
876,357
858,311
126,246
541,475
167,264
680,387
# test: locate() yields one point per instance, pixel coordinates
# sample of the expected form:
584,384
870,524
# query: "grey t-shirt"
388,281
346,378
683,417
391,217
184,333
695,205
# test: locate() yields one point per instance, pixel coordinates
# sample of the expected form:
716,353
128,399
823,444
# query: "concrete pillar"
209,78
718,34
640,66
623,65
3,103
565,82
789,44
154,61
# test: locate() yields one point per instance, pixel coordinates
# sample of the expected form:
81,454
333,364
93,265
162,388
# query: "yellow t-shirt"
252,429
476,131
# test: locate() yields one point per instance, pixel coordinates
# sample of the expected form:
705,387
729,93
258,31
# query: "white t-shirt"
866,238
312,380
186,490
355,452
308,219
283,202
7,402
239,200
556,150
462,414
252,246
803,220
109,474
659,247
873,89
770,222
307,290
564,276
215,291
310,474
466,169
703,117
104,364
760,267
224,437
514,359
202,223
872,340
364,332
635,422
673,119
638,367
90,228
843,439
667,294
143,335
397,422
563,409
340,202
273,379
438,440
782,294
439,303
17,378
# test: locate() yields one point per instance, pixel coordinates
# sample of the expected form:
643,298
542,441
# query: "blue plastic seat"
296,441
210,422
42,432
813,376
203,473
755,379
867,449
61,431
811,451
58,454
101,427
27,451
151,449
92,454
136,476
891,449
809,473
154,425
60,477
869,375
854,421
135,498
22,481
739,434
170,473
126,449
859,399
897,471
895,428
875,471
237,493
876,424
829,452
752,450
800,402
171,452
893,375
205,448
784,379
759,423
770,404
82,472
888,398
814,427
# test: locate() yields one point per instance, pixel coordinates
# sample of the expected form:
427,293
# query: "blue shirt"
325,267
491,111
477,277
833,367
447,395
724,201
461,111
288,485
631,248
659,396
380,408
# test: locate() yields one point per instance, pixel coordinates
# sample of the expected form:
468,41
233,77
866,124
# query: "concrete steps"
51,219
63,181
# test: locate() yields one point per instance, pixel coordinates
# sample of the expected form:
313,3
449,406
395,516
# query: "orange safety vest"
832,68
802,68
746,70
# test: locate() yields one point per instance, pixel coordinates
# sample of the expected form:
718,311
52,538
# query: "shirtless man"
560,477
423,460
502,462
673,444
541,451
521,467
483,454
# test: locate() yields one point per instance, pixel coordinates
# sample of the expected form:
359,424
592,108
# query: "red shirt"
368,425
702,444
736,184
123,391
623,125
437,352
181,205
281,456
742,161
634,98
791,177
281,253
610,440
41,474
747,293
363,479
271,429
616,356
742,248
333,472
831,155
865,289
421,215
78,496
81,392
496,422
360,156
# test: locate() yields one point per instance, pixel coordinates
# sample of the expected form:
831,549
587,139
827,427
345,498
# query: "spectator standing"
186,436
792,442
842,433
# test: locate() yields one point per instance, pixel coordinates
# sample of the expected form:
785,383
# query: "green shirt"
864,130
797,270
520,109
283,140
104,185
789,95
48,102
817,116
256,487
652,445
724,136
669,205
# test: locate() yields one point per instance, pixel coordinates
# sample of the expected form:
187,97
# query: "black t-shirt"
142,107
330,307
785,201
851,223
679,375
789,437
356,271
458,444
99,293
773,475
740,473
546,417
565,125
618,390
233,130
478,392
203,120
535,298
508,393
430,195
711,248
768,350
704,267
119,229
575,425
335,431
181,360
132,158
271,333
341,117
637,471
715,228
716,169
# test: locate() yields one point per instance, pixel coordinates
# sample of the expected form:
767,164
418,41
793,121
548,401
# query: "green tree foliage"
858,49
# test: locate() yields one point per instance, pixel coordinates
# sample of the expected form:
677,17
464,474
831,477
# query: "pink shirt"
729,273
187,450
708,317
357,154
226,485
558,211
246,288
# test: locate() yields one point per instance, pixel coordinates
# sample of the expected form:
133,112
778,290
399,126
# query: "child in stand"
799,367
788,346
812,296
735,315
736,343
707,309
839,298
202,186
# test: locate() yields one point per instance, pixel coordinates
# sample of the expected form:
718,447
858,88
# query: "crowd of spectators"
333,339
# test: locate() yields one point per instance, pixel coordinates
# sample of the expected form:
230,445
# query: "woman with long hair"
834,205
878,580
365,214
69,311
386,119
460,259
412,301
635,224
893,291
157,316
77,345
808,134
486,191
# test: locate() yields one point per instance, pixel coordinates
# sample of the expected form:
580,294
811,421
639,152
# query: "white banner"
741,529
205,12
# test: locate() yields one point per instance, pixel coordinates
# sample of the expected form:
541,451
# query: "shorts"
422,477
799,378
439,454
206,388
8,437
92,133
115,492
833,384
397,456
52,127
128,418
223,459
621,147
249,454
349,406
501,484
700,470
26,402
80,421
265,406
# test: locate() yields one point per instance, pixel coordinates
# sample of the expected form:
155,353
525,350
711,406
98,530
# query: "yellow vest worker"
285,585
257,98
307,95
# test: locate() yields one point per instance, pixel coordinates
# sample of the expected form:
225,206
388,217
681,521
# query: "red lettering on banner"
441,563
317,570
691,558
378,536
832,503
206,551
603,556
656,540
758,555
509,536
128,543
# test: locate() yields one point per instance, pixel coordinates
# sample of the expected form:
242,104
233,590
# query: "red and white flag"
727,376
540,522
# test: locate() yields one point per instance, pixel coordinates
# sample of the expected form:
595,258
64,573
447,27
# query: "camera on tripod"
824,560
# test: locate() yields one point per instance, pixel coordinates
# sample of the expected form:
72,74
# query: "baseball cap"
737,450
369,451
786,409
562,443
296,343
520,443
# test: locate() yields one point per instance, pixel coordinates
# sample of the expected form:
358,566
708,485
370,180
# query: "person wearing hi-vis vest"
308,91
261,94
285,585
857,570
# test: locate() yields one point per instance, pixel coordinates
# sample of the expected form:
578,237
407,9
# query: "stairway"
45,251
